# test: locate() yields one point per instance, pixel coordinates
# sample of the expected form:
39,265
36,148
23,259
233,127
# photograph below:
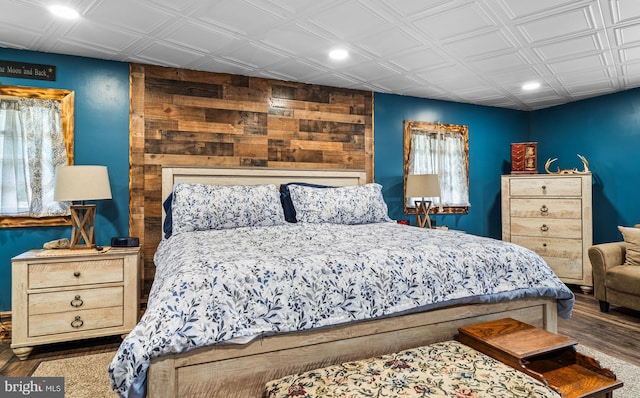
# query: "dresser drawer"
566,268
560,248
566,186
84,299
564,256
75,273
544,208
546,228
75,321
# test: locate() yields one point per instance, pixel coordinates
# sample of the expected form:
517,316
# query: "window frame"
409,126
66,99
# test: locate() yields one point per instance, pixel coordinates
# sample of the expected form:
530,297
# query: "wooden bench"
548,357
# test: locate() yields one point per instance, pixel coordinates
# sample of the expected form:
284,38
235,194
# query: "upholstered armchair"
616,271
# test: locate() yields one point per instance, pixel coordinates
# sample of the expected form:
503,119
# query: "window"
443,149
36,135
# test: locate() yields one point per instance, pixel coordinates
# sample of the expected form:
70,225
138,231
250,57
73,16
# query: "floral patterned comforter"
223,285
446,369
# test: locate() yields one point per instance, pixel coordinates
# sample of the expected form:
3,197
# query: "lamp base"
82,220
422,213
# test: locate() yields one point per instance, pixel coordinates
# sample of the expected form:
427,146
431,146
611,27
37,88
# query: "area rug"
628,373
84,377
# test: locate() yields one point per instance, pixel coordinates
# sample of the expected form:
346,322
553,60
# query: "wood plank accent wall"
190,118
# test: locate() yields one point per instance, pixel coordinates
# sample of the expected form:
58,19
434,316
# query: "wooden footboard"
242,370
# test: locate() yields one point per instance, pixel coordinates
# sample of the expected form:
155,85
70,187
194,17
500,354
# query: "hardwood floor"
11,366
616,334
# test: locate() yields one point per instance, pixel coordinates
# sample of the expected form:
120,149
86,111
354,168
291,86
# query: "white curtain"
31,147
442,153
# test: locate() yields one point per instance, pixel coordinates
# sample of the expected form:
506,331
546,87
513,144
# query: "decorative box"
524,158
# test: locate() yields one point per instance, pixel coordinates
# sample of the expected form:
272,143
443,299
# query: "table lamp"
422,186
77,184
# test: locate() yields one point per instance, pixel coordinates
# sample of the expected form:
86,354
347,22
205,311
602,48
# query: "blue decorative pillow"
285,198
199,207
360,204
167,226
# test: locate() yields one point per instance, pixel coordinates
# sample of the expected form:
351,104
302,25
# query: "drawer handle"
544,209
77,323
544,245
544,188
544,228
76,274
77,302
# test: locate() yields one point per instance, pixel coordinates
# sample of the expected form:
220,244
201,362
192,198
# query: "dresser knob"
544,228
544,209
77,302
77,322
544,188
76,274
544,245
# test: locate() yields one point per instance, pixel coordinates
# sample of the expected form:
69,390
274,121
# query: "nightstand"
62,295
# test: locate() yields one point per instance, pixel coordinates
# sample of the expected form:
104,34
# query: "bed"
338,291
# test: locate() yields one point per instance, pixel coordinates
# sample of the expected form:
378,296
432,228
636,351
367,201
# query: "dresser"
551,215
63,295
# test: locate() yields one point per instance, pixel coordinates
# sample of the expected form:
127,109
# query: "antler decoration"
585,165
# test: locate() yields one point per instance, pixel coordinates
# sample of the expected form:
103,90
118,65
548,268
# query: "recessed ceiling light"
530,86
338,54
64,12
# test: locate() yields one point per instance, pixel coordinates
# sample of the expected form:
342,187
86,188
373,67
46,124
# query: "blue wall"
491,131
606,130
101,137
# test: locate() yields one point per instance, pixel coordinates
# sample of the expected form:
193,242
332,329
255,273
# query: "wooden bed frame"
241,370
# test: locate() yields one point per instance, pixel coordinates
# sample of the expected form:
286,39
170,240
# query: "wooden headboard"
255,176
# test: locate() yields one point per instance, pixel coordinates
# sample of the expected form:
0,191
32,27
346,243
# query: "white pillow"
631,238
199,207
360,204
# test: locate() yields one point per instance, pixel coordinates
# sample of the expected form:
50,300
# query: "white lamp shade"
422,186
76,183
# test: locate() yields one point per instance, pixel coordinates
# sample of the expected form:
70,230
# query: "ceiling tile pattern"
472,51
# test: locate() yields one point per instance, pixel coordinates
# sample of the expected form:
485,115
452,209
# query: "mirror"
443,149
66,99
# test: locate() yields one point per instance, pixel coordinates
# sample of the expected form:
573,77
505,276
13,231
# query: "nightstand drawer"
568,186
71,300
75,321
74,273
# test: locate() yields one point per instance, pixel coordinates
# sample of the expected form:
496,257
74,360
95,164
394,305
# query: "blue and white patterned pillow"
199,207
361,204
